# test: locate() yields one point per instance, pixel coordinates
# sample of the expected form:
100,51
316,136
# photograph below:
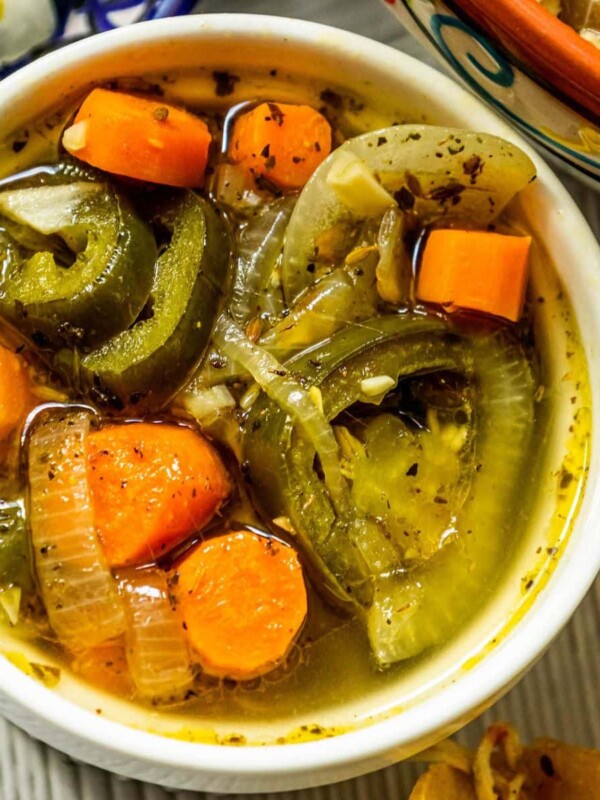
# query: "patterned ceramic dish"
525,63
30,28
455,683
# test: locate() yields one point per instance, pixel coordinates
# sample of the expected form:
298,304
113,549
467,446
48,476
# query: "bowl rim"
566,588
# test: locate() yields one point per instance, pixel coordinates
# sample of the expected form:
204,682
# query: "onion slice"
289,395
156,647
79,592
457,176
394,269
259,248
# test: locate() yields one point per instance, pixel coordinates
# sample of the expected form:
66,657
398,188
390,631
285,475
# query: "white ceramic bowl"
443,693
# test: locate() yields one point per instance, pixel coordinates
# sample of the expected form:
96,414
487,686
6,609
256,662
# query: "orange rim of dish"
525,28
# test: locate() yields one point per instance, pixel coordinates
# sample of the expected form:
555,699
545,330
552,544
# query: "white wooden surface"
559,697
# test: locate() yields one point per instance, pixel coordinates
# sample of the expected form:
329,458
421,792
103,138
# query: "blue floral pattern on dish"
504,76
104,14
502,84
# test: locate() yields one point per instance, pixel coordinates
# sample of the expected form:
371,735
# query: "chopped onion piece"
47,209
206,403
591,35
75,136
79,593
156,647
377,386
259,249
357,187
322,310
289,395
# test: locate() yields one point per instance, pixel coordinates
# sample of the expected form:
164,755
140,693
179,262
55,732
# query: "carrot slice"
152,485
139,138
243,601
16,398
284,143
475,270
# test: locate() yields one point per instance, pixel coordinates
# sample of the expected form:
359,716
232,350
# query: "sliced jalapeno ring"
145,365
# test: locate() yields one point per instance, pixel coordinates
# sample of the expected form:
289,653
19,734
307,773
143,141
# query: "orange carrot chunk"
475,270
139,138
152,485
243,601
284,143
16,398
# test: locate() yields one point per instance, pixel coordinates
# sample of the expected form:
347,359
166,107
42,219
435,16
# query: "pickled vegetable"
342,297
281,465
16,398
437,597
476,270
394,268
415,481
77,261
140,138
156,648
406,610
145,365
284,432
288,393
282,143
435,173
243,600
79,593
135,472
256,287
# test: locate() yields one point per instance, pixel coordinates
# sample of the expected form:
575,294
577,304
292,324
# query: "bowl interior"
427,699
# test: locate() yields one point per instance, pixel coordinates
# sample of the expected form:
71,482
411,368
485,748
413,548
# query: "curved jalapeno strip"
77,260
420,609
281,464
400,606
146,364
